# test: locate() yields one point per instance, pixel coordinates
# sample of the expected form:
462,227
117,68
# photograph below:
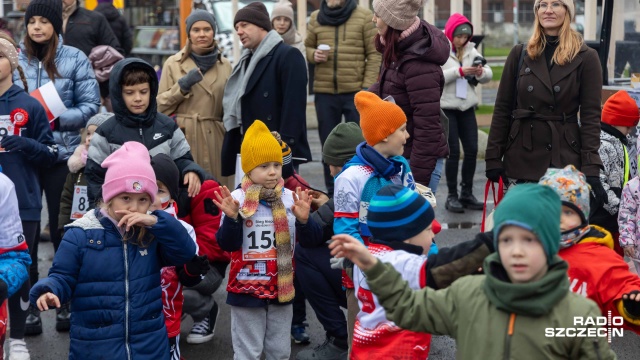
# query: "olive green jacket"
354,62
465,312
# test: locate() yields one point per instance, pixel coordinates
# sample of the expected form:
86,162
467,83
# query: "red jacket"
601,275
205,219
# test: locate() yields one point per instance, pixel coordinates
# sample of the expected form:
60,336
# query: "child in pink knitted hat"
108,265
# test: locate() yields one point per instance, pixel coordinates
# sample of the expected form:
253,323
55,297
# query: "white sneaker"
203,331
18,350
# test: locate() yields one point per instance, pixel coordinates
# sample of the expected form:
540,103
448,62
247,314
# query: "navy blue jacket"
276,94
114,286
22,166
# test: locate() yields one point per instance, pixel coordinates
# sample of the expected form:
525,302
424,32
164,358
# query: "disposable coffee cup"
324,48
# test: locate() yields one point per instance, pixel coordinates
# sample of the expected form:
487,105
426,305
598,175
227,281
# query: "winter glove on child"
198,265
495,175
193,77
632,306
598,194
19,143
192,272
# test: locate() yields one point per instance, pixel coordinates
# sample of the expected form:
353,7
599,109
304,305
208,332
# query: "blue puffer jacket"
77,88
114,286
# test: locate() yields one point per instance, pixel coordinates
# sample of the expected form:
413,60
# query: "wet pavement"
456,228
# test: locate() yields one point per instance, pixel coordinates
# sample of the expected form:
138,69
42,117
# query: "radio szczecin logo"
591,327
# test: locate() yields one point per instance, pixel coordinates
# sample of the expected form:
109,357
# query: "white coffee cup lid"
324,47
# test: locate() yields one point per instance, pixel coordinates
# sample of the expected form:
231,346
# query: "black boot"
468,200
33,325
63,318
453,204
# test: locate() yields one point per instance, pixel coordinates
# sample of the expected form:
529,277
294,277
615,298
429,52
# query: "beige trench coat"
198,113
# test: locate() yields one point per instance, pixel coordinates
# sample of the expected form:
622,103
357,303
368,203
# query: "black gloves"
598,194
18,143
198,265
632,307
495,174
193,77
192,272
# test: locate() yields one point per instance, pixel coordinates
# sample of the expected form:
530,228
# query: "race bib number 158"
259,239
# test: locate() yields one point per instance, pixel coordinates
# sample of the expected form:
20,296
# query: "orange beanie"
620,110
378,118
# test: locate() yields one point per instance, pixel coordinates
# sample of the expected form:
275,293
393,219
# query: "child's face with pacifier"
267,174
132,202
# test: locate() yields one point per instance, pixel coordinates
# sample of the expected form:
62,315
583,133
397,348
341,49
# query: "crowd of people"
147,217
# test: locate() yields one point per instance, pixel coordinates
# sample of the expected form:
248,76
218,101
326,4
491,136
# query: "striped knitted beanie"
397,213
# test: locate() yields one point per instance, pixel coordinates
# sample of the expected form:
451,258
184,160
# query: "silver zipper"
39,71
126,296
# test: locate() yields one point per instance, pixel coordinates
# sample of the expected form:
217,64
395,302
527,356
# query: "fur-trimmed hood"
75,162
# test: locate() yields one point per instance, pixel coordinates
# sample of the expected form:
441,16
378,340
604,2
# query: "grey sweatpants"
268,329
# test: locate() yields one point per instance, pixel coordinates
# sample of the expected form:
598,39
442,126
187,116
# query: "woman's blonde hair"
143,239
569,42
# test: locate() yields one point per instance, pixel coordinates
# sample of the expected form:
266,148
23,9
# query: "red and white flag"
48,96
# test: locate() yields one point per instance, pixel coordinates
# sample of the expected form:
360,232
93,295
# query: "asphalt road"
456,228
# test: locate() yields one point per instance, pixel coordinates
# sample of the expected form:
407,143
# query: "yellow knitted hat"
259,147
378,118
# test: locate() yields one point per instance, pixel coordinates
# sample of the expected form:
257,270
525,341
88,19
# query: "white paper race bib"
7,128
258,236
80,203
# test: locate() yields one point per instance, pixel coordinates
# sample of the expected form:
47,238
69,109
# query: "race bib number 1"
80,203
259,239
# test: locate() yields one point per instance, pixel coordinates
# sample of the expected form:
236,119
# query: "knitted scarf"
336,16
206,61
255,193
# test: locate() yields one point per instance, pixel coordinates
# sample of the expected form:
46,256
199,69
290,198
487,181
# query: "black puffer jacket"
158,132
87,29
118,24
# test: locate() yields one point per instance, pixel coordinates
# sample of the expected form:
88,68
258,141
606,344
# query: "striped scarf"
253,194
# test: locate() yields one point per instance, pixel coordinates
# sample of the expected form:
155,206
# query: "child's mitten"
632,307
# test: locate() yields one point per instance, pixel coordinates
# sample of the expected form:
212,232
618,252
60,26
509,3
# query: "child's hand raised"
301,205
343,245
227,203
47,299
318,198
135,218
